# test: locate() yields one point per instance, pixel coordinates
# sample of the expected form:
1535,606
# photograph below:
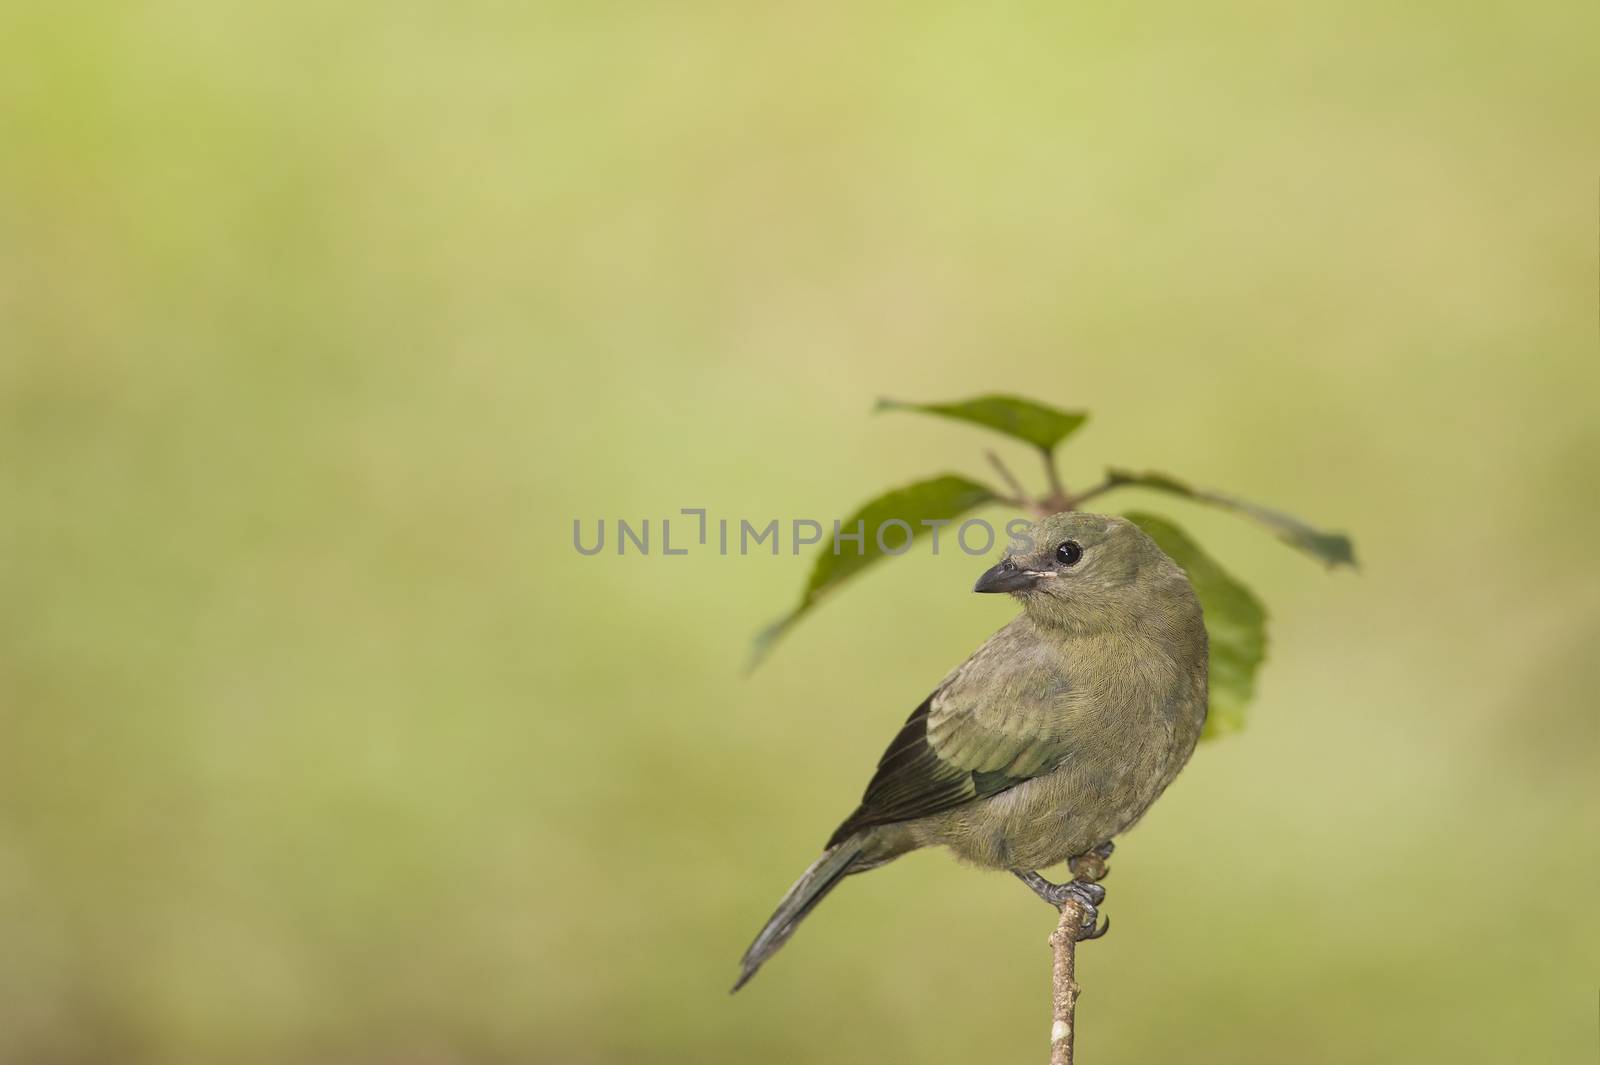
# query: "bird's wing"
992,724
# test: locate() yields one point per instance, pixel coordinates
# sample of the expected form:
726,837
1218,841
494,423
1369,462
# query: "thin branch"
1058,499
1099,489
1006,475
1063,987
1089,867
1019,495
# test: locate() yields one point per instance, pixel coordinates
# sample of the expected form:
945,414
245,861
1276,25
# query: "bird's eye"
1069,553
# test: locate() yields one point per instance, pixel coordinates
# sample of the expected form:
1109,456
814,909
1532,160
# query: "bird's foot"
1087,896
1091,864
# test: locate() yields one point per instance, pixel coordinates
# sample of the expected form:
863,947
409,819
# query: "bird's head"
1085,570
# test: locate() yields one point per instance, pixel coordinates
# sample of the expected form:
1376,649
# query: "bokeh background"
320,323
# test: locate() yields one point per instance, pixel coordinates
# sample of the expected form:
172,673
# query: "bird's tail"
813,884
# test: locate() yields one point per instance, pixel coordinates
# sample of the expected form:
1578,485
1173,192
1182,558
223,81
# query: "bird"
1051,739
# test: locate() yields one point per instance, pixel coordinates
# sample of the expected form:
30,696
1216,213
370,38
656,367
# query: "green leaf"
938,499
1043,427
1236,623
1332,549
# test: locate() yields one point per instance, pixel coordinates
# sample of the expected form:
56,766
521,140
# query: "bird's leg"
1088,869
1091,864
1088,896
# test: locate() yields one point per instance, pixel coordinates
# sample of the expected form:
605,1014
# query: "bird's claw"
1082,892
1086,895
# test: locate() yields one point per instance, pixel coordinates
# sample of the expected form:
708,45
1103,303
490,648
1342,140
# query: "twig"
1006,475
1091,868
1099,489
1063,987
1019,494
1058,499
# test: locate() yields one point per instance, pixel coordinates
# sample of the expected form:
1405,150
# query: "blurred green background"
320,323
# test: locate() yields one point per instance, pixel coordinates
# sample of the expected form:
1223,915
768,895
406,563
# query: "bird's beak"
1006,577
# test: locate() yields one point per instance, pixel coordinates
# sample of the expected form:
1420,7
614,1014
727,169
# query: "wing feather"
990,725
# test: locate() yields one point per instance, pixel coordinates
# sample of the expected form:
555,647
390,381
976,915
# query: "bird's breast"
1124,733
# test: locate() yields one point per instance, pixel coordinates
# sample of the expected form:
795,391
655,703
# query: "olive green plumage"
1054,737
